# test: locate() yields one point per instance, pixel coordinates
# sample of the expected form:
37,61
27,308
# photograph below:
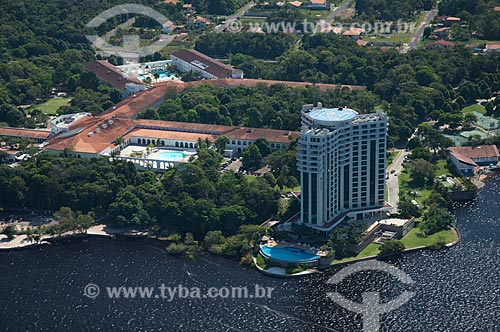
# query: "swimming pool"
173,155
162,75
289,254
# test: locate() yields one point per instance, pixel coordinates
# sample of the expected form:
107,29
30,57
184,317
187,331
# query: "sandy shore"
21,241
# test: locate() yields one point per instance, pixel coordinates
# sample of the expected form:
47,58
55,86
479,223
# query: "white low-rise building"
203,65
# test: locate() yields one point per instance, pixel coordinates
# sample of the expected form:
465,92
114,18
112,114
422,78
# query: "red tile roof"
493,46
232,132
255,82
130,107
440,30
440,42
272,135
353,32
22,132
474,152
214,67
184,126
100,140
171,135
109,73
122,113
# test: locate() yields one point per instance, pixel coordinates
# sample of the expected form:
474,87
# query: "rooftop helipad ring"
332,115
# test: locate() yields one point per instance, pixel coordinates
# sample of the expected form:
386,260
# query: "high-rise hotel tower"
341,158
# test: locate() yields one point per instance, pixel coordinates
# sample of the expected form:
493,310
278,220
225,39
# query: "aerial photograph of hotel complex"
201,165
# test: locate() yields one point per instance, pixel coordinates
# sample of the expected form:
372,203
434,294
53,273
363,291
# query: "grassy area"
411,240
404,186
392,38
414,239
313,15
405,182
51,106
371,250
442,168
474,108
392,156
246,20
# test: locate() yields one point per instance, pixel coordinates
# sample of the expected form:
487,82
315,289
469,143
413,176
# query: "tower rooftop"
332,116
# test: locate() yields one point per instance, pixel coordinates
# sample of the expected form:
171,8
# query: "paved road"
233,17
100,43
337,11
420,32
392,182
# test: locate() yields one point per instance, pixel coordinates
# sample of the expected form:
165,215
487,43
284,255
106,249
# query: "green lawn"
392,38
442,168
246,20
413,240
405,182
51,106
371,250
392,156
312,15
474,107
404,186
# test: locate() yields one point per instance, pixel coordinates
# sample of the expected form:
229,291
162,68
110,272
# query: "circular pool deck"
288,254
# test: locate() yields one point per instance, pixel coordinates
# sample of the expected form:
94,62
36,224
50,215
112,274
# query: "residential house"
439,45
467,158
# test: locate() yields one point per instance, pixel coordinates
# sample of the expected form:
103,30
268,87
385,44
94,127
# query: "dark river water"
456,289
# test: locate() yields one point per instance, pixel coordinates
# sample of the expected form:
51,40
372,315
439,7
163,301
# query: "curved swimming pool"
173,155
288,254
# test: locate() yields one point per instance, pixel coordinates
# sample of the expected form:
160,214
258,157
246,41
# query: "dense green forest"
257,45
194,197
390,10
478,16
276,106
43,46
412,87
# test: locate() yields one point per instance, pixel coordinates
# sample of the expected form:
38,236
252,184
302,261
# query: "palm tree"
470,118
119,140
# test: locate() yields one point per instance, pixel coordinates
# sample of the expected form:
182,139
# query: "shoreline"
21,241
319,269
406,251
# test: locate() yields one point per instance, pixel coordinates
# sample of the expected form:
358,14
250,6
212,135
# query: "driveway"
392,182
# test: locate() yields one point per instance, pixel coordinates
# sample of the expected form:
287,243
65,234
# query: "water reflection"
457,289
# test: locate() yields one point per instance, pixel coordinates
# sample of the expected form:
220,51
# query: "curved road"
420,31
337,11
234,16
